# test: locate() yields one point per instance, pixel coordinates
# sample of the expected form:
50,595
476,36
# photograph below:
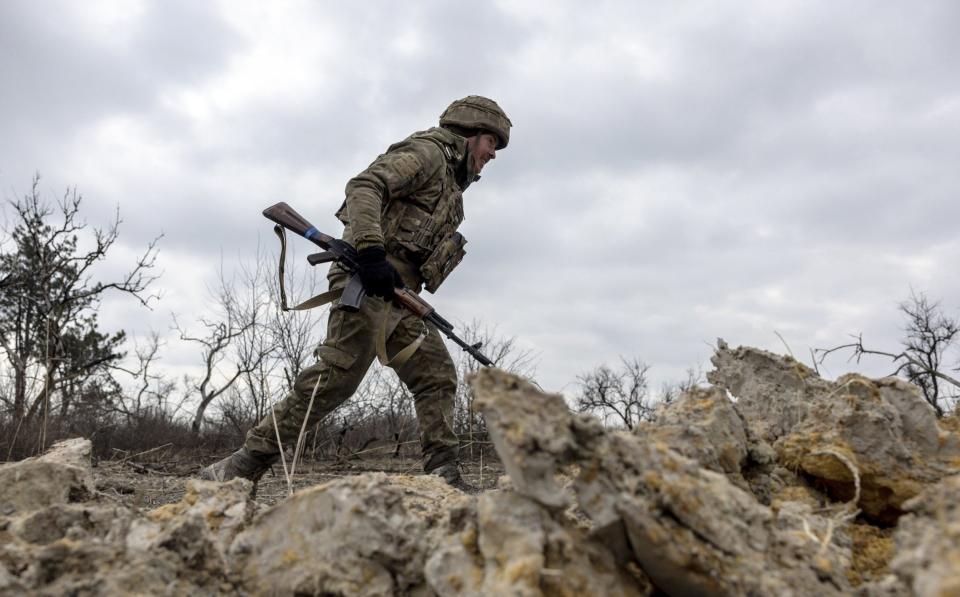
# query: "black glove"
378,276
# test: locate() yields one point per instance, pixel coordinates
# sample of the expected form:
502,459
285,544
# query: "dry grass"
155,483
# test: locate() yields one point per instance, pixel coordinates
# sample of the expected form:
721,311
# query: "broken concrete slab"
703,425
364,535
513,545
774,392
690,529
69,540
529,452
927,541
878,434
83,567
225,509
60,476
103,522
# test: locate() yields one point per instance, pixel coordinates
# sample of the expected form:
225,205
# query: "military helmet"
477,112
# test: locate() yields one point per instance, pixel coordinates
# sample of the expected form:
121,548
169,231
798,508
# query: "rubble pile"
370,534
819,428
59,537
772,481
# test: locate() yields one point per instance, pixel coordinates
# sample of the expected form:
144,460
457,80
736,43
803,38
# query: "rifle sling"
317,301
397,361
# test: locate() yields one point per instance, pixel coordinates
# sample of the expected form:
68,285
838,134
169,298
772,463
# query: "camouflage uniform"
408,201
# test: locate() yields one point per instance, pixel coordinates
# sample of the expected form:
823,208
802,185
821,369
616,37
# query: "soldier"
401,214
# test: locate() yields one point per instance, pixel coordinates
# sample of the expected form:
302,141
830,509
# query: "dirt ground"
160,478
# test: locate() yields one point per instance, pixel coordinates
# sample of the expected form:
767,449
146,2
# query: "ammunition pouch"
410,227
418,230
444,258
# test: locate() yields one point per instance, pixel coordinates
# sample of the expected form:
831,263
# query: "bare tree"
234,319
256,349
929,335
48,325
151,391
276,346
622,394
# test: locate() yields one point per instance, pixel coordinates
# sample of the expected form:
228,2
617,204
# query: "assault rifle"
345,255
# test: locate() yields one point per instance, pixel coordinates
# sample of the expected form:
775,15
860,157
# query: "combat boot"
450,472
241,463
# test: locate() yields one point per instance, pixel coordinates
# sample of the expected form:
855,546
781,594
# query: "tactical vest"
421,227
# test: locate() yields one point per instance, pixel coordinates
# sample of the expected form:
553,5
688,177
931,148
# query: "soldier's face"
482,148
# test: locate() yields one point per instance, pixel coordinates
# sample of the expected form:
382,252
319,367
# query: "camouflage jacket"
409,200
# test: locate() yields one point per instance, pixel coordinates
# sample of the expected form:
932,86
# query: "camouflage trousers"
342,361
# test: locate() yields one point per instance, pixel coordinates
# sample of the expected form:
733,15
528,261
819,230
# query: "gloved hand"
378,276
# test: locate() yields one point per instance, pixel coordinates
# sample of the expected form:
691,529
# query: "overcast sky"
677,172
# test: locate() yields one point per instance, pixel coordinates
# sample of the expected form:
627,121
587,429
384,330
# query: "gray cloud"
675,174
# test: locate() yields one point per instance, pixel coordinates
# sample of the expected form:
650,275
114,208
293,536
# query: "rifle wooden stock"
411,301
286,216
